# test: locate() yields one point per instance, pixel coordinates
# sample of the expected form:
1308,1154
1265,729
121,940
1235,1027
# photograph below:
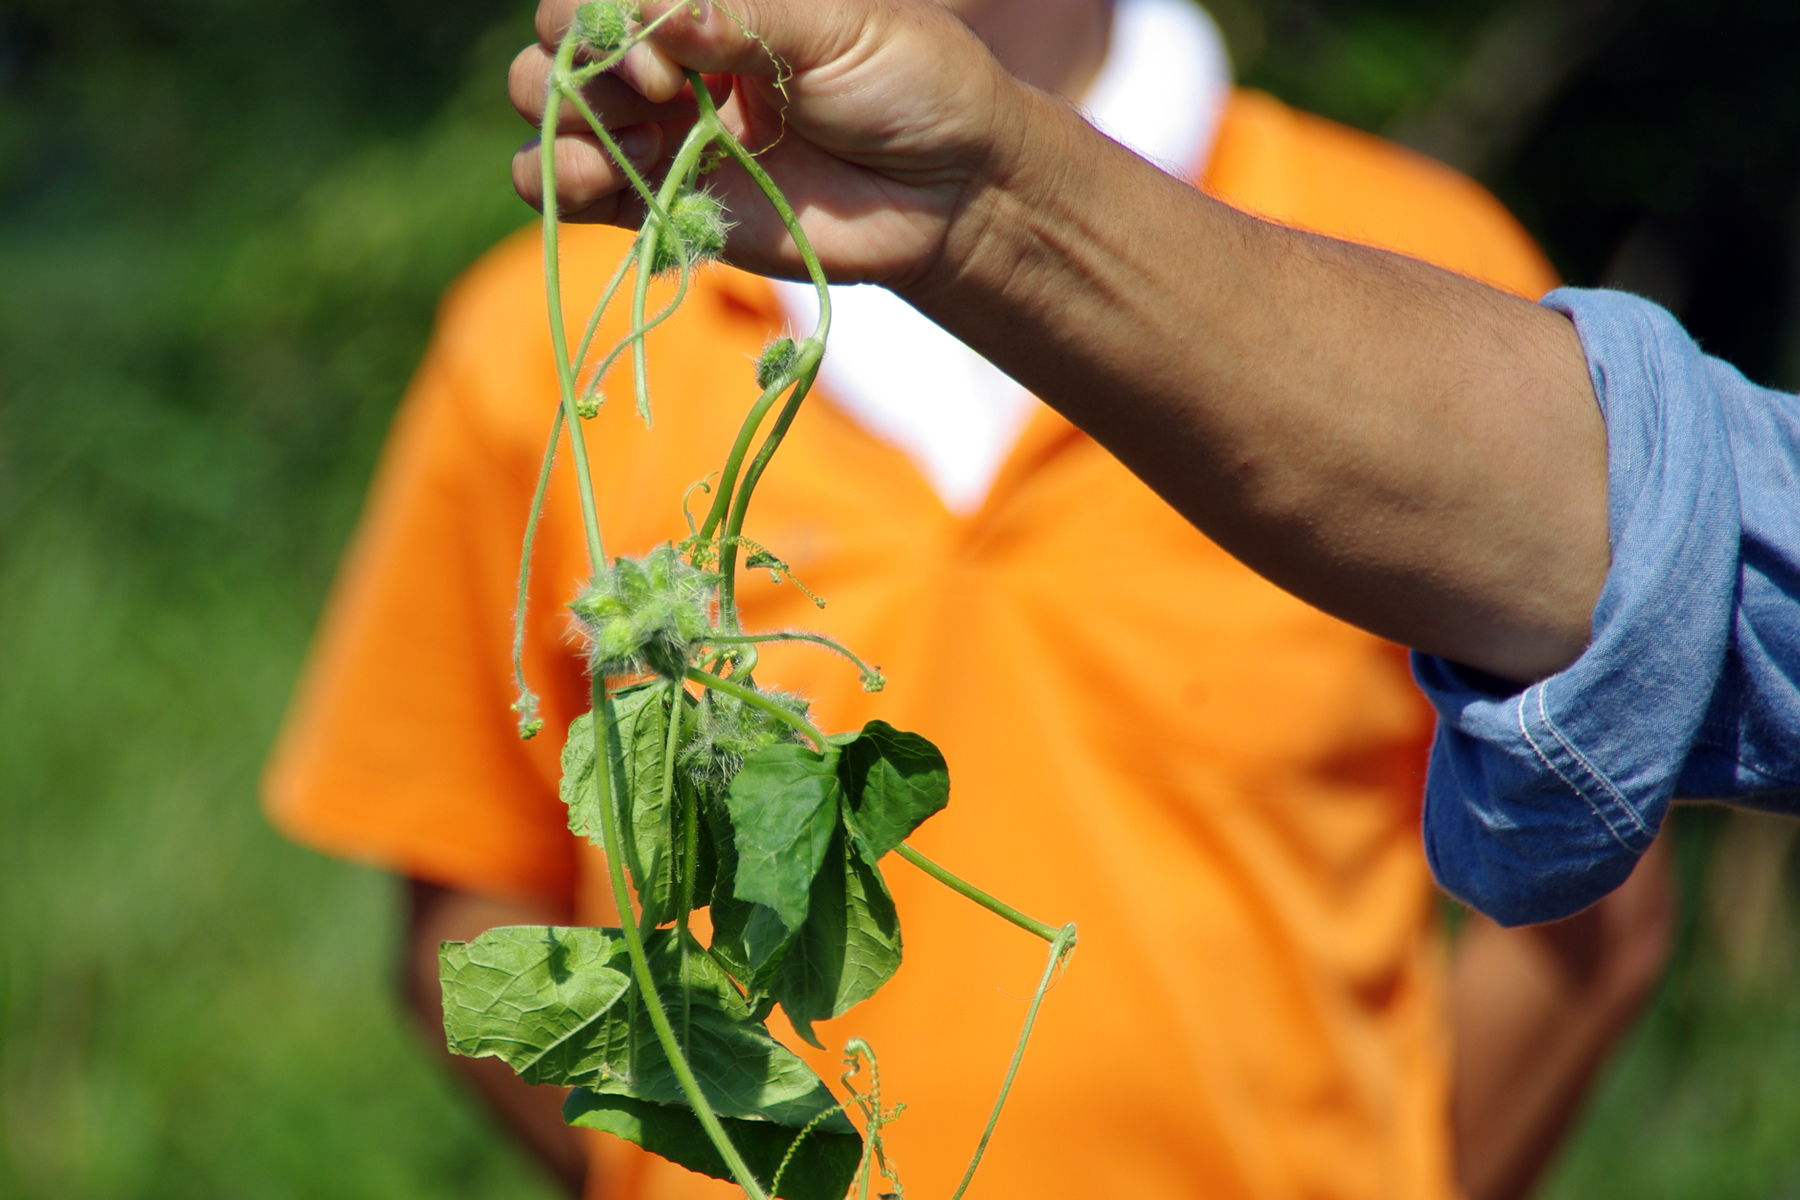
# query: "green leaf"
742,1070
752,950
557,1005
640,728
895,780
732,918
729,914
849,946
822,1168
766,938
784,807
703,977
706,859
538,997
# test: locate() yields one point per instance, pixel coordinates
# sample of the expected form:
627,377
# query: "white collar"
1160,92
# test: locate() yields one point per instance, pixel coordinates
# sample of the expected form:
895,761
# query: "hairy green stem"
734,461
1060,945
735,149
637,181
559,337
568,87
690,860
636,336
743,639
657,218
804,371
683,890
528,698
759,701
656,227
740,503
963,888
593,325
640,962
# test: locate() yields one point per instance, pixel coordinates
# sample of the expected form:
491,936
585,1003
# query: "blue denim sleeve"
1539,802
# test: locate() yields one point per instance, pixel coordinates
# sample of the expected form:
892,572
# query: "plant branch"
593,325
1060,947
680,881
962,887
559,337
734,461
640,962
636,336
783,209
527,702
811,352
657,226
805,369
638,183
759,701
869,673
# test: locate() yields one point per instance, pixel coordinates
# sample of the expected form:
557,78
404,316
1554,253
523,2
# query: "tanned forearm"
1408,450
1416,453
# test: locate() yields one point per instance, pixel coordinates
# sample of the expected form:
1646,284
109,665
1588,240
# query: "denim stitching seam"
1599,777
1567,782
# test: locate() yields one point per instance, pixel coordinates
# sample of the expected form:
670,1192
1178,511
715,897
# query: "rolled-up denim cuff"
1538,801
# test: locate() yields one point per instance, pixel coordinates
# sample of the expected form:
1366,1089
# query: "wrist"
1011,184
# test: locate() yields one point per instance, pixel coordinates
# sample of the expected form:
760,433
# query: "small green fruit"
775,361
695,232
603,26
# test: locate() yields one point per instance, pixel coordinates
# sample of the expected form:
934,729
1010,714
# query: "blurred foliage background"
223,227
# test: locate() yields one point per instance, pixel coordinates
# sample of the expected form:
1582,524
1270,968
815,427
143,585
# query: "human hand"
892,120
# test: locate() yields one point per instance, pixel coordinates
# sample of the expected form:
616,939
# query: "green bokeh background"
223,227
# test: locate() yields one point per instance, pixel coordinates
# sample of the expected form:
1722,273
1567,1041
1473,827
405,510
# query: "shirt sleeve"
400,749
1538,802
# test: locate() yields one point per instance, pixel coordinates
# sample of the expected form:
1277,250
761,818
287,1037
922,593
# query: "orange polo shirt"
1218,783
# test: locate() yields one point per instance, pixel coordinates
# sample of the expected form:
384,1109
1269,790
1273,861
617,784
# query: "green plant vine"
704,788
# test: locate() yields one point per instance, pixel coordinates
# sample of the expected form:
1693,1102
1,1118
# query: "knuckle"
525,80
526,180
582,172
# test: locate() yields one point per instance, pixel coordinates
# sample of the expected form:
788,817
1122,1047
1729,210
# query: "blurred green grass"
223,228
221,250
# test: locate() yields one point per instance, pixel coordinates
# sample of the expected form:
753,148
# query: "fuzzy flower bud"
603,26
776,359
646,614
728,730
587,405
695,232
530,724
